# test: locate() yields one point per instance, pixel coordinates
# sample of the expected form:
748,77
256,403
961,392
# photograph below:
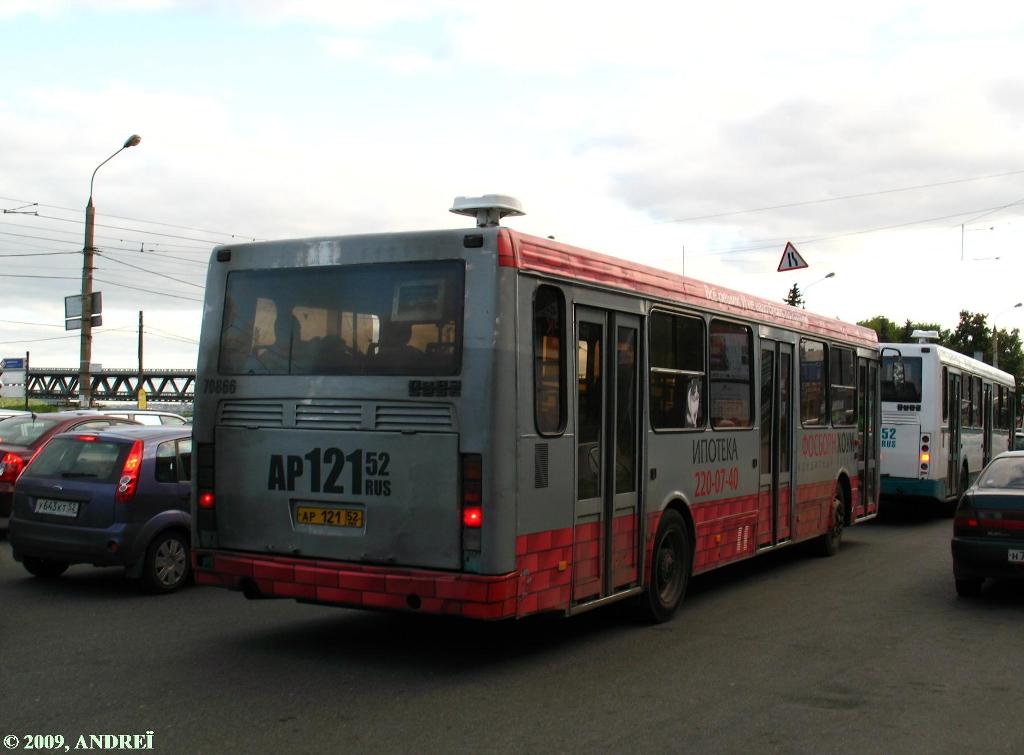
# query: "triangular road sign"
791,259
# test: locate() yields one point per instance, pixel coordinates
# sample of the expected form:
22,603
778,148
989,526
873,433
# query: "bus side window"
549,360
731,368
842,388
812,383
677,378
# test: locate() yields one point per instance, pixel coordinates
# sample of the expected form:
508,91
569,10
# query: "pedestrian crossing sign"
791,259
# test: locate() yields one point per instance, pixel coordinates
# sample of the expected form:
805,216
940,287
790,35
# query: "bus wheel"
670,568
828,544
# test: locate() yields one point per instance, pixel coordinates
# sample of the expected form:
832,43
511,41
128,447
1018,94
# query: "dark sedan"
117,497
24,434
988,531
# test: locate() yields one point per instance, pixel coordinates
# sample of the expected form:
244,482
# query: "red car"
21,436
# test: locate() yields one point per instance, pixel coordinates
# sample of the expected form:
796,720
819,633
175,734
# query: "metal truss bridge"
61,384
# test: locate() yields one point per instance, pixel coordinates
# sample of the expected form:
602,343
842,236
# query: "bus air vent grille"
540,465
251,414
896,418
329,415
413,417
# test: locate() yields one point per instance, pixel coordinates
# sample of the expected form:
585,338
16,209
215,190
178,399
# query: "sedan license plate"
329,516
1015,556
56,508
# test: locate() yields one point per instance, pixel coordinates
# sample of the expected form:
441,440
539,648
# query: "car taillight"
206,499
129,479
11,466
966,521
86,438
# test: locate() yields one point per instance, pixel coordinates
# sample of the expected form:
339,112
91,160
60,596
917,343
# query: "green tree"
794,298
972,335
889,331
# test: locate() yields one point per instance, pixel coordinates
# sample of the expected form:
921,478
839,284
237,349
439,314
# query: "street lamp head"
132,141
831,275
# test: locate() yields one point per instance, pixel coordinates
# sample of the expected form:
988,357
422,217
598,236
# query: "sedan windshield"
1007,472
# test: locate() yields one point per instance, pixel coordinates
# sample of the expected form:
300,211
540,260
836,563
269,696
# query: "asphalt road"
870,651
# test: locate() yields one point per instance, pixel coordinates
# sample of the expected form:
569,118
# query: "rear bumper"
911,488
985,557
111,546
357,586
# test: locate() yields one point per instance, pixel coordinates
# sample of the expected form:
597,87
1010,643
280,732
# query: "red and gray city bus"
490,424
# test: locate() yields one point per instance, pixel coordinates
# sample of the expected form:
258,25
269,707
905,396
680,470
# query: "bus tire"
828,544
671,562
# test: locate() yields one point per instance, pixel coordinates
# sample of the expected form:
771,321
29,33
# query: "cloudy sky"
884,139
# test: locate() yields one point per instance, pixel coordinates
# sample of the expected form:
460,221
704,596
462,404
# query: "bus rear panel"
334,459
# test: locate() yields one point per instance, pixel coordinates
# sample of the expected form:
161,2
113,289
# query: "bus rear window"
901,379
387,319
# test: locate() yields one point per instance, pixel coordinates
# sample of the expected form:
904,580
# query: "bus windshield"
901,379
381,319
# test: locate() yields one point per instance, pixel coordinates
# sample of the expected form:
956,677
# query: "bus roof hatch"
488,209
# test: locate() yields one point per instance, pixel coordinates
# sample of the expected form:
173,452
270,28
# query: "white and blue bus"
944,415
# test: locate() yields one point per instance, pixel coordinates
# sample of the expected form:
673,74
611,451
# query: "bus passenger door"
867,452
606,527
775,457
953,465
986,421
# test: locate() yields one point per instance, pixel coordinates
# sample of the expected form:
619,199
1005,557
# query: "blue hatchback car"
114,497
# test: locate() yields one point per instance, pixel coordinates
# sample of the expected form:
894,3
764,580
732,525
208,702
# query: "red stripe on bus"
423,590
539,255
554,568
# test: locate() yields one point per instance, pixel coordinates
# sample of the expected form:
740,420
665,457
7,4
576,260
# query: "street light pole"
84,366
995,335
830,275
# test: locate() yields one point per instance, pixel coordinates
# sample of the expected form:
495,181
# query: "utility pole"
140,390
85,363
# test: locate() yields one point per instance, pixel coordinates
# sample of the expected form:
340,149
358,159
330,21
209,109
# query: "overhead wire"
134,220
807,202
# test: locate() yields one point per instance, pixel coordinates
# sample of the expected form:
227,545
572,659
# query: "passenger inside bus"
395,345
277,357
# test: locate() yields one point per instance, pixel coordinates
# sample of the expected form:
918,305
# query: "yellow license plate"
332,517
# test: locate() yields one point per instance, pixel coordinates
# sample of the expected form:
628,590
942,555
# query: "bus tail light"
129,479
206,516
472,510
